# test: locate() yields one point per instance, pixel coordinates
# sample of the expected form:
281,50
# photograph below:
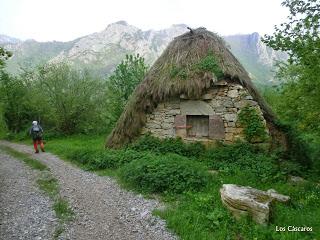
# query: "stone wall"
225,101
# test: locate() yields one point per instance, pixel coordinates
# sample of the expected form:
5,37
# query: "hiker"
36,132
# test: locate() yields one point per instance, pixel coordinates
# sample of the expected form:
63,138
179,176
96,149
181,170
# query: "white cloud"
68,19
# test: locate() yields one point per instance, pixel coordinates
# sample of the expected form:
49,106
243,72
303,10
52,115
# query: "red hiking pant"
35,145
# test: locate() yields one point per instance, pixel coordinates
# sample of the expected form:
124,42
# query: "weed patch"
168,145
49,185
33,163
63,210
167,173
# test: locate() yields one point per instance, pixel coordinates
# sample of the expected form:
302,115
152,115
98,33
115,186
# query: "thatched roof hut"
181,70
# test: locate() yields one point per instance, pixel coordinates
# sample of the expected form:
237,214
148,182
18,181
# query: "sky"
65,20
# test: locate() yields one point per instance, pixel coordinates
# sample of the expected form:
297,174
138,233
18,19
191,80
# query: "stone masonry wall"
225,100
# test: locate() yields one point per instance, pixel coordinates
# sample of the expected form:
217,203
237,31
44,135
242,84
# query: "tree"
4,55
120,85
300,37
73,100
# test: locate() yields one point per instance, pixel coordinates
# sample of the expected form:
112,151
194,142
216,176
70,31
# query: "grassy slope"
200,214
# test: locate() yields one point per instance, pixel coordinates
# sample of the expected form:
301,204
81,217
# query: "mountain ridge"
102,51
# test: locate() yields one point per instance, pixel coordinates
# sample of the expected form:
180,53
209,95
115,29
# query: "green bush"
103,159
167,173
254,129
243,157
168,145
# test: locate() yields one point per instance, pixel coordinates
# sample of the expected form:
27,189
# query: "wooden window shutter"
180,124
216,127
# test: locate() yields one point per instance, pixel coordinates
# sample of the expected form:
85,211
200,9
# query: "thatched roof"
175,72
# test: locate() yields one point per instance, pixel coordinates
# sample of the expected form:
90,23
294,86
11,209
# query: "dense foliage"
194,208
127,75
167,173
66,100
168,145
254,129
296,100
4,55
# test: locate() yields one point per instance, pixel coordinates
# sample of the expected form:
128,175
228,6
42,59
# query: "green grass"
61,146
49,185
198,213
33,163
62,209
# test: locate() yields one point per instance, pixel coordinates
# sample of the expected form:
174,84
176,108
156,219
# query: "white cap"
34,123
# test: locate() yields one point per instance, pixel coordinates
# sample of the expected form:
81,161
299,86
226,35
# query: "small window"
197,126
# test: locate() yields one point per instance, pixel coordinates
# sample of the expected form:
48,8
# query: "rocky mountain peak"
102,51
4,39
121,22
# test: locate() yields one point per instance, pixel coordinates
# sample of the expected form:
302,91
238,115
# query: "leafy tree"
297,99
72,100
4,55
120,85
300,37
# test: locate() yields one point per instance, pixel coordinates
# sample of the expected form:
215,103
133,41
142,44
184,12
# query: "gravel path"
25,212
102,209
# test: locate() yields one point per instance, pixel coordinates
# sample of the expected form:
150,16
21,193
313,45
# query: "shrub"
167,173
168,145
104,159
254,129
243,157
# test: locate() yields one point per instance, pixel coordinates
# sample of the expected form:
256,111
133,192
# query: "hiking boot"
37,151
42,150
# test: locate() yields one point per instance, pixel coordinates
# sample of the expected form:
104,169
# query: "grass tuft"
63,210
33,163
49,185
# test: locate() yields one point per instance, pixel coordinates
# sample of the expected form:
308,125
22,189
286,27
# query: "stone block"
215,103
232,110
233,93
220,109
244,103
230,117
228,103
174,112
231,124
166,125
229,137
153,125
248,97
230,130
244,201
169,120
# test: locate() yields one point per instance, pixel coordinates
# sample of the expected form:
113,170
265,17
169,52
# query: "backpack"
36,132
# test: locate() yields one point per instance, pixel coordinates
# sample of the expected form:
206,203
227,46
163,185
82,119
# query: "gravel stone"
102,209
25,212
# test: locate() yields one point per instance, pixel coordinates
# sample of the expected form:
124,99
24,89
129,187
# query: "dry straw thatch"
174,73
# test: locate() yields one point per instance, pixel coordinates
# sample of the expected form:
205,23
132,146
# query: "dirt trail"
102,209
25,212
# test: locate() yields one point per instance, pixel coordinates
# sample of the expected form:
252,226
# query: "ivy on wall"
254,129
